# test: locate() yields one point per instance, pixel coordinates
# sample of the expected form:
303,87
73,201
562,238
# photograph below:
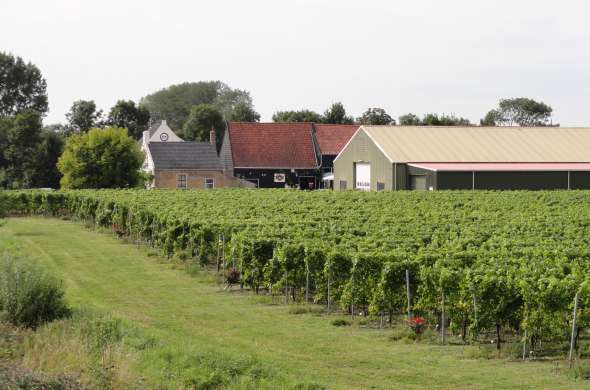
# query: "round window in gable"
164,137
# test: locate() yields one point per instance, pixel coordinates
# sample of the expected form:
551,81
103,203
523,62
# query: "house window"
180,181
209,183
380,186
342,185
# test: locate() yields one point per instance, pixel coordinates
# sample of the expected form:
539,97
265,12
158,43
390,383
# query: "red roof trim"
523,167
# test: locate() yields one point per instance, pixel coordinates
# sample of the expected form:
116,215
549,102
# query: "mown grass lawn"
193,314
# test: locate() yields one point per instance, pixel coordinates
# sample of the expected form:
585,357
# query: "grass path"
192,313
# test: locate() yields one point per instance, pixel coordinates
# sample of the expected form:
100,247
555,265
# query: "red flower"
417,324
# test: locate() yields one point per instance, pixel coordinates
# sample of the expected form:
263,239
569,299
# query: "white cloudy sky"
452,56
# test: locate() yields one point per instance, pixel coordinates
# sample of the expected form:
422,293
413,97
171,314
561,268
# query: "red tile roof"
332,138
272,145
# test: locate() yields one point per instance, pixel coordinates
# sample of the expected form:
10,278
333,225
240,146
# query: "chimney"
213,136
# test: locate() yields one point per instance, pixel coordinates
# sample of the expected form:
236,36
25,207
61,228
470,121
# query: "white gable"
164,134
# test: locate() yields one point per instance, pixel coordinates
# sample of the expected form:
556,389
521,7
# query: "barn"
381,158
279,155
272,155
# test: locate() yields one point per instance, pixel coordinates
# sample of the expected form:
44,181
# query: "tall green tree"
433,119
175,102
244,113
83,116
297,116
22,137
126,114
336,114
101,158
444,120
491,119
409,120
50,148
376,116
22,86
201,120
522,112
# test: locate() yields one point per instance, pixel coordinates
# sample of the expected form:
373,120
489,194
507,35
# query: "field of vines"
499,263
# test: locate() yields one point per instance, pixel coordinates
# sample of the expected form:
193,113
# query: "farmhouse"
279,155
175,163
430,158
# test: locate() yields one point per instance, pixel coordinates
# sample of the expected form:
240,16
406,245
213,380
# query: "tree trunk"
498,339
464,329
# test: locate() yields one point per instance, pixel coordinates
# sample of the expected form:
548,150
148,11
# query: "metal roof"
481,144
184,155
502,167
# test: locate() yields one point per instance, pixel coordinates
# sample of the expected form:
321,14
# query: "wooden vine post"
573,338
306,283
524,345
408,294
442,328
286,287
218,253
475,312
329,272
352,297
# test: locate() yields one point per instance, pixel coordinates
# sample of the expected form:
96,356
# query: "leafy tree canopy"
336,114
83,116
126,114
21,136
433,120
175,102
297,116
21,86
201,120
101,158
409,120
244,113
376,116
444,120
492,118
521,112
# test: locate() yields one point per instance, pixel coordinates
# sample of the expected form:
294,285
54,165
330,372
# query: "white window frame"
207,179
178,176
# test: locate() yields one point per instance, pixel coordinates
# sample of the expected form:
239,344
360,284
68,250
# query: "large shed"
431,158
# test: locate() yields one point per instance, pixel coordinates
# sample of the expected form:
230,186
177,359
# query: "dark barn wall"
328,162
520,180
266,176
454,181
534,180
580,180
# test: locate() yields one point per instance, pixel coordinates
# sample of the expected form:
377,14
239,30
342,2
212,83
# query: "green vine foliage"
505,260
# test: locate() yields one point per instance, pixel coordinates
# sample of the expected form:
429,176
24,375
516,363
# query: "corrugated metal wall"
362,149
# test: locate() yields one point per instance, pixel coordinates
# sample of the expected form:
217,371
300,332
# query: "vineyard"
509,264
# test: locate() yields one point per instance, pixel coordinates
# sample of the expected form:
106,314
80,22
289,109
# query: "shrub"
305,309
402,333
28,296
232,276
341,322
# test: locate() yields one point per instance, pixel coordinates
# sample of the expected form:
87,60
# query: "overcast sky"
452,56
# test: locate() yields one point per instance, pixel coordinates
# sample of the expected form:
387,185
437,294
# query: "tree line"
30,151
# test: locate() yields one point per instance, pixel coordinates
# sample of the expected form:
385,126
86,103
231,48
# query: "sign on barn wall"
279,177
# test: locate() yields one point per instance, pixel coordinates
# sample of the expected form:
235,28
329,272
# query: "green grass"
192,318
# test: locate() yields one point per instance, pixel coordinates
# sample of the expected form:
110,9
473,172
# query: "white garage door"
363,176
